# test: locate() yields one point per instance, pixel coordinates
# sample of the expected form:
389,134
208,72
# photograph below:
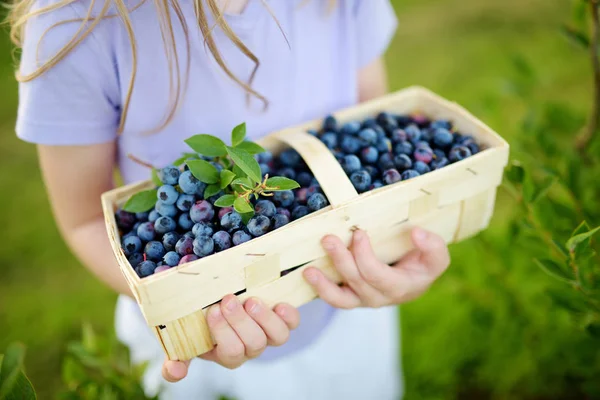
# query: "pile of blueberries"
391,148
183,226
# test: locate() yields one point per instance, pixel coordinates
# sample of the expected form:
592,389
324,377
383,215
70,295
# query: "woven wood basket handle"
328,171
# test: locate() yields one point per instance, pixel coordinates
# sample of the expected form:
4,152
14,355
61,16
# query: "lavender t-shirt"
79,101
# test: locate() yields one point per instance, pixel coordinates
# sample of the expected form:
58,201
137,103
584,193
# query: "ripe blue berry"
350,144
409,174
169,240
373,172
402,162
330,123
169,175
171,258
153,216
367,137
299,212
222,240
279,220
383,145
413,133
386,161
284,211
264,169
142,216
361,180
423,154
164,225
154,250
265,157
398,135
230,221
135,259
391,176
369,123
185,222
421,167
146,231
459,153
437,153
350,128
125,220
188,258
284,198
165,210
265,207
442,138
304,179
329,139
289,158
189,234
439,163
441,123
128,234
190,185
185,246
202,211
259,225
350,163
131,245
287,173
137,225
185,202
404,148
376,185
240,237
316,202
369,155
204,246
146,268
205,228
167,194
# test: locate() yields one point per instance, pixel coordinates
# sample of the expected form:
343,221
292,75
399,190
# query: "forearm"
372,81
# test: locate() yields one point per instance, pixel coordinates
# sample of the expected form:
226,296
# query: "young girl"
103,79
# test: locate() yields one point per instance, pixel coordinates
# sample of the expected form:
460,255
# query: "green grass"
461,49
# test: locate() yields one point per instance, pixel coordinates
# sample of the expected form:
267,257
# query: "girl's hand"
371,283
241,332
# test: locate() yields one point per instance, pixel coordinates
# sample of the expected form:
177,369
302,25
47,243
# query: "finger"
290,315
174,371
374,272
434,251
340,297
274,327
251,335
229,348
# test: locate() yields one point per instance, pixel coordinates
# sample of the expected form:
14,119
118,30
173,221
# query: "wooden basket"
455,202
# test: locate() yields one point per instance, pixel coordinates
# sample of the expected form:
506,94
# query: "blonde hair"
21,12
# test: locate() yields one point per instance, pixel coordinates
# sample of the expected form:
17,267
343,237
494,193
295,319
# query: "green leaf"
14,384
515,173
528,188
566,299
141,202
211,190
277,183
226,177
242,206
238,134
203,171
576,36
583,227
184,157
245,182
554,270
225,201
22,389
559,246
207,145
246,217
542,190
88,338
246,162
238,171
155,179
574,241
251,147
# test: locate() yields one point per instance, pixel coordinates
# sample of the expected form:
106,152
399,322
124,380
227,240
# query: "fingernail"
358,236
232,304
281,312
173,370
214,312
254,306
311,276
328,244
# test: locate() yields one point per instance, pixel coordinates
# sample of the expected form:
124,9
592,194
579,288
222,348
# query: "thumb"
433,250
174,371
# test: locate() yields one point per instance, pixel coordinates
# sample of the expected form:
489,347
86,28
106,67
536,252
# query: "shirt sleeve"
76,102
375,27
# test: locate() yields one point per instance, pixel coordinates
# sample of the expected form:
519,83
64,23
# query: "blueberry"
424,155
312,189
398,135
279,220
202,211
264,169
402,162
409,174
422,144
459,153
154,250
223,211
299,212
240,237
265,207
190,235
351,163
439,163
188,258
287,173
316,202
169,240
330,123
125,220
350,128
166,210
304,179
284,211
437,153
169,175
164,225
142,216
413,133
369,123
185,202
373,172
361,180
329,139
161,268
215,197
383,145
135,227
420,120
167,194
470,144
131,245
230,221
350,144
421,167
265,157
284,198
185,222
369,155
218,166
153,216
146,268
442,138
404,148
289,158
403,120
367,137
441,123
427,134
379,131
259,225
185,246
376,185
386,161
204,246
146,231
222,241
135,259
205,228
189,184
129,234
171,258
391,176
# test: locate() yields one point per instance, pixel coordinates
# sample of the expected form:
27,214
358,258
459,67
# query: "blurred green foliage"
495,325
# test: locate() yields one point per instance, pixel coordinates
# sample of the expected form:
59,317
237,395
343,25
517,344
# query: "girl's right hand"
241,332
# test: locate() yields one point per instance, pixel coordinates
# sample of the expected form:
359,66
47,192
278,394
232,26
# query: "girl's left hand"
371,283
